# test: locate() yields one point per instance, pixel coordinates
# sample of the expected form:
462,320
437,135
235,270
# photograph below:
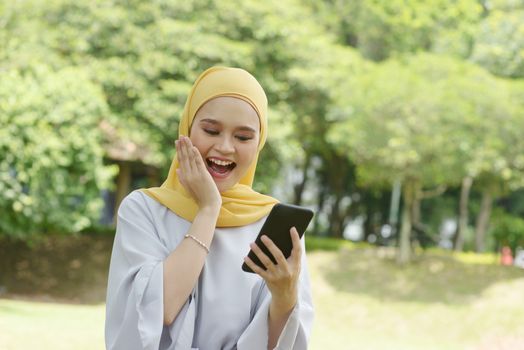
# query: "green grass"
441,301
40,325
314,243
363,300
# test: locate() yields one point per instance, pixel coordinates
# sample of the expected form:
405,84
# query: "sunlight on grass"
468,257
365,301
50,326
473,258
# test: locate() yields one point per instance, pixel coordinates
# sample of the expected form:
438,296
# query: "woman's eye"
244,138
211,131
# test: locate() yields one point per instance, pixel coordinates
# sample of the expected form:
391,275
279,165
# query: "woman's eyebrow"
211,121
215,122
246,128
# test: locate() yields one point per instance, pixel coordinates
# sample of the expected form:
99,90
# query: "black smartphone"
277,225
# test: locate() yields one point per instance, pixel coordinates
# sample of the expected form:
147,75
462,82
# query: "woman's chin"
223,186
224,183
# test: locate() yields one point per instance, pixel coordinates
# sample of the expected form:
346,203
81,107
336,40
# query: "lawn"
441,301
45,326
363,301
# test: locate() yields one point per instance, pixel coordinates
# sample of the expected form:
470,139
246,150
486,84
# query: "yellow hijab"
241,205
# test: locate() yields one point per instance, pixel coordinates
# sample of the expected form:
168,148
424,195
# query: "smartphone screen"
277,225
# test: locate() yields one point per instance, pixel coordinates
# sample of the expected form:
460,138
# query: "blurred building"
134,171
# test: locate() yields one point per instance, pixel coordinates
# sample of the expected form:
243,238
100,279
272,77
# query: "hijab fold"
241,205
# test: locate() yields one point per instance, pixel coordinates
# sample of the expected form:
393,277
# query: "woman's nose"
225,145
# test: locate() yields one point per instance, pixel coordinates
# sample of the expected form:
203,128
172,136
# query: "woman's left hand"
281,278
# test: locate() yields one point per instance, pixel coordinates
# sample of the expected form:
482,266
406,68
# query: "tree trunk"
395,203
369,224
299,188
321,200
415,220
339,186
404,252
483,221
335,225
415,210
463,213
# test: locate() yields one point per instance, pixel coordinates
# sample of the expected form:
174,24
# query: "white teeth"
220,162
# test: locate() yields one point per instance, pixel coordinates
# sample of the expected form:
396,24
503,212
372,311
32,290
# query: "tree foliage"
509,230
380,29
50,154
362,93
499,45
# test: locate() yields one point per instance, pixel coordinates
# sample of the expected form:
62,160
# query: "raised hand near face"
194,176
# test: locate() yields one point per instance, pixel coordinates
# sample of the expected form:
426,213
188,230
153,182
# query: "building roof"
122,148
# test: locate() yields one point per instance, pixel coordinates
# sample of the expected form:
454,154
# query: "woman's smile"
219,168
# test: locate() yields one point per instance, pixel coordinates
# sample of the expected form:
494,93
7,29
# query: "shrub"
508,230
51,170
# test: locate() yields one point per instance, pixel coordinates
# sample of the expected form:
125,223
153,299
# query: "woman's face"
226,131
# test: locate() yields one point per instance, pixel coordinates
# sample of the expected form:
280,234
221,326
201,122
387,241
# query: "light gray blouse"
227,309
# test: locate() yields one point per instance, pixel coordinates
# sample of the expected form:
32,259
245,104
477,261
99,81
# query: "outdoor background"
401,123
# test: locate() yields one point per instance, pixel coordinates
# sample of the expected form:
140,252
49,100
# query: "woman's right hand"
193,175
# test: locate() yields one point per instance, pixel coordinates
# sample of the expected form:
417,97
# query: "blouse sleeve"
297,330
134,303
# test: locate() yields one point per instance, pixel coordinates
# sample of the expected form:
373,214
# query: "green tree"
381,29
479,108
51,162
389,120
499,44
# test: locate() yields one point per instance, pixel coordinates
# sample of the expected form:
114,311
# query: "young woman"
175,280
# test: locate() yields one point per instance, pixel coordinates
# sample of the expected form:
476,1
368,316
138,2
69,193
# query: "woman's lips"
217,169
216,174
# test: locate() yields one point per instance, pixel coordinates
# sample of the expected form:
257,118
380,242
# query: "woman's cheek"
251,155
